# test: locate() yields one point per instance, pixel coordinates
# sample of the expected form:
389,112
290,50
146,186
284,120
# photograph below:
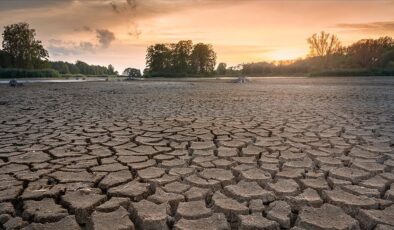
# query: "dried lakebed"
271,154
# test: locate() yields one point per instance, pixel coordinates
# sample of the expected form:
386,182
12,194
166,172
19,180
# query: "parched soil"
276,153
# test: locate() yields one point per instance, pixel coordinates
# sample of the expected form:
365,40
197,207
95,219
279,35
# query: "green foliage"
20,43
203,58
24,73
5,59
82,68
180,59
132,72
222,68
111,70
181,56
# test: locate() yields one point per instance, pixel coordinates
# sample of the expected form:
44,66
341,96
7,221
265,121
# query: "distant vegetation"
26,73
24,56
180,59
132,73
327,57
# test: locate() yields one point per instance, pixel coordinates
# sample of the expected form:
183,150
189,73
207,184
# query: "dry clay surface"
270,154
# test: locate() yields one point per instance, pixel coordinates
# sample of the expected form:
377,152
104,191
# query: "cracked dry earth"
271,154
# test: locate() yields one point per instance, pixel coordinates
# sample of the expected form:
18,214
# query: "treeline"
327,57
81,67
24,56
180,59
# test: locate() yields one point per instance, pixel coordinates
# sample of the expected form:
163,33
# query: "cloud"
105,37
62,48
369,27
84,28
24,4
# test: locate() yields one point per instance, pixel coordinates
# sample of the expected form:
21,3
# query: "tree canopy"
132,72
222,68
323,44
20,43
326,54
180,58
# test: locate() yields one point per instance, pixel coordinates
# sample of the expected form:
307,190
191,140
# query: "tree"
323,44
203,58
132,72
181,56
73,68
5,59
83,67
368,53
158,58
111,70
60,66
19,41
222,68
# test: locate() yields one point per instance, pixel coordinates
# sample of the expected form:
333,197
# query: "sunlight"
286,54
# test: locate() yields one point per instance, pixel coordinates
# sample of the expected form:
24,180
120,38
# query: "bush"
24,73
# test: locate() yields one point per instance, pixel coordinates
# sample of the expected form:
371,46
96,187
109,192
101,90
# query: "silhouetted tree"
132,72
323,44
222,68
203,58
369,53
158,58
181,56
19,41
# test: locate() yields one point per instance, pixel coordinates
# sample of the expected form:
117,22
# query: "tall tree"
203,58
158,58
181,56
19,41
323,44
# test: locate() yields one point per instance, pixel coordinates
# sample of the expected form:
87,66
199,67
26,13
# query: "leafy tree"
323,44
111,70
203,58
158,58
132,72
73,68
222,68
19,41
369,53
5,59
181,56
60,66
83,67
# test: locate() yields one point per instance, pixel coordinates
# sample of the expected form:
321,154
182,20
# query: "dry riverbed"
296,153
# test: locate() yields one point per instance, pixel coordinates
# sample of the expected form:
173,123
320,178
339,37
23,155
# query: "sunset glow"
240,31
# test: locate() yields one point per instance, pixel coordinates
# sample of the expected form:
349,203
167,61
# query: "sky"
118,32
